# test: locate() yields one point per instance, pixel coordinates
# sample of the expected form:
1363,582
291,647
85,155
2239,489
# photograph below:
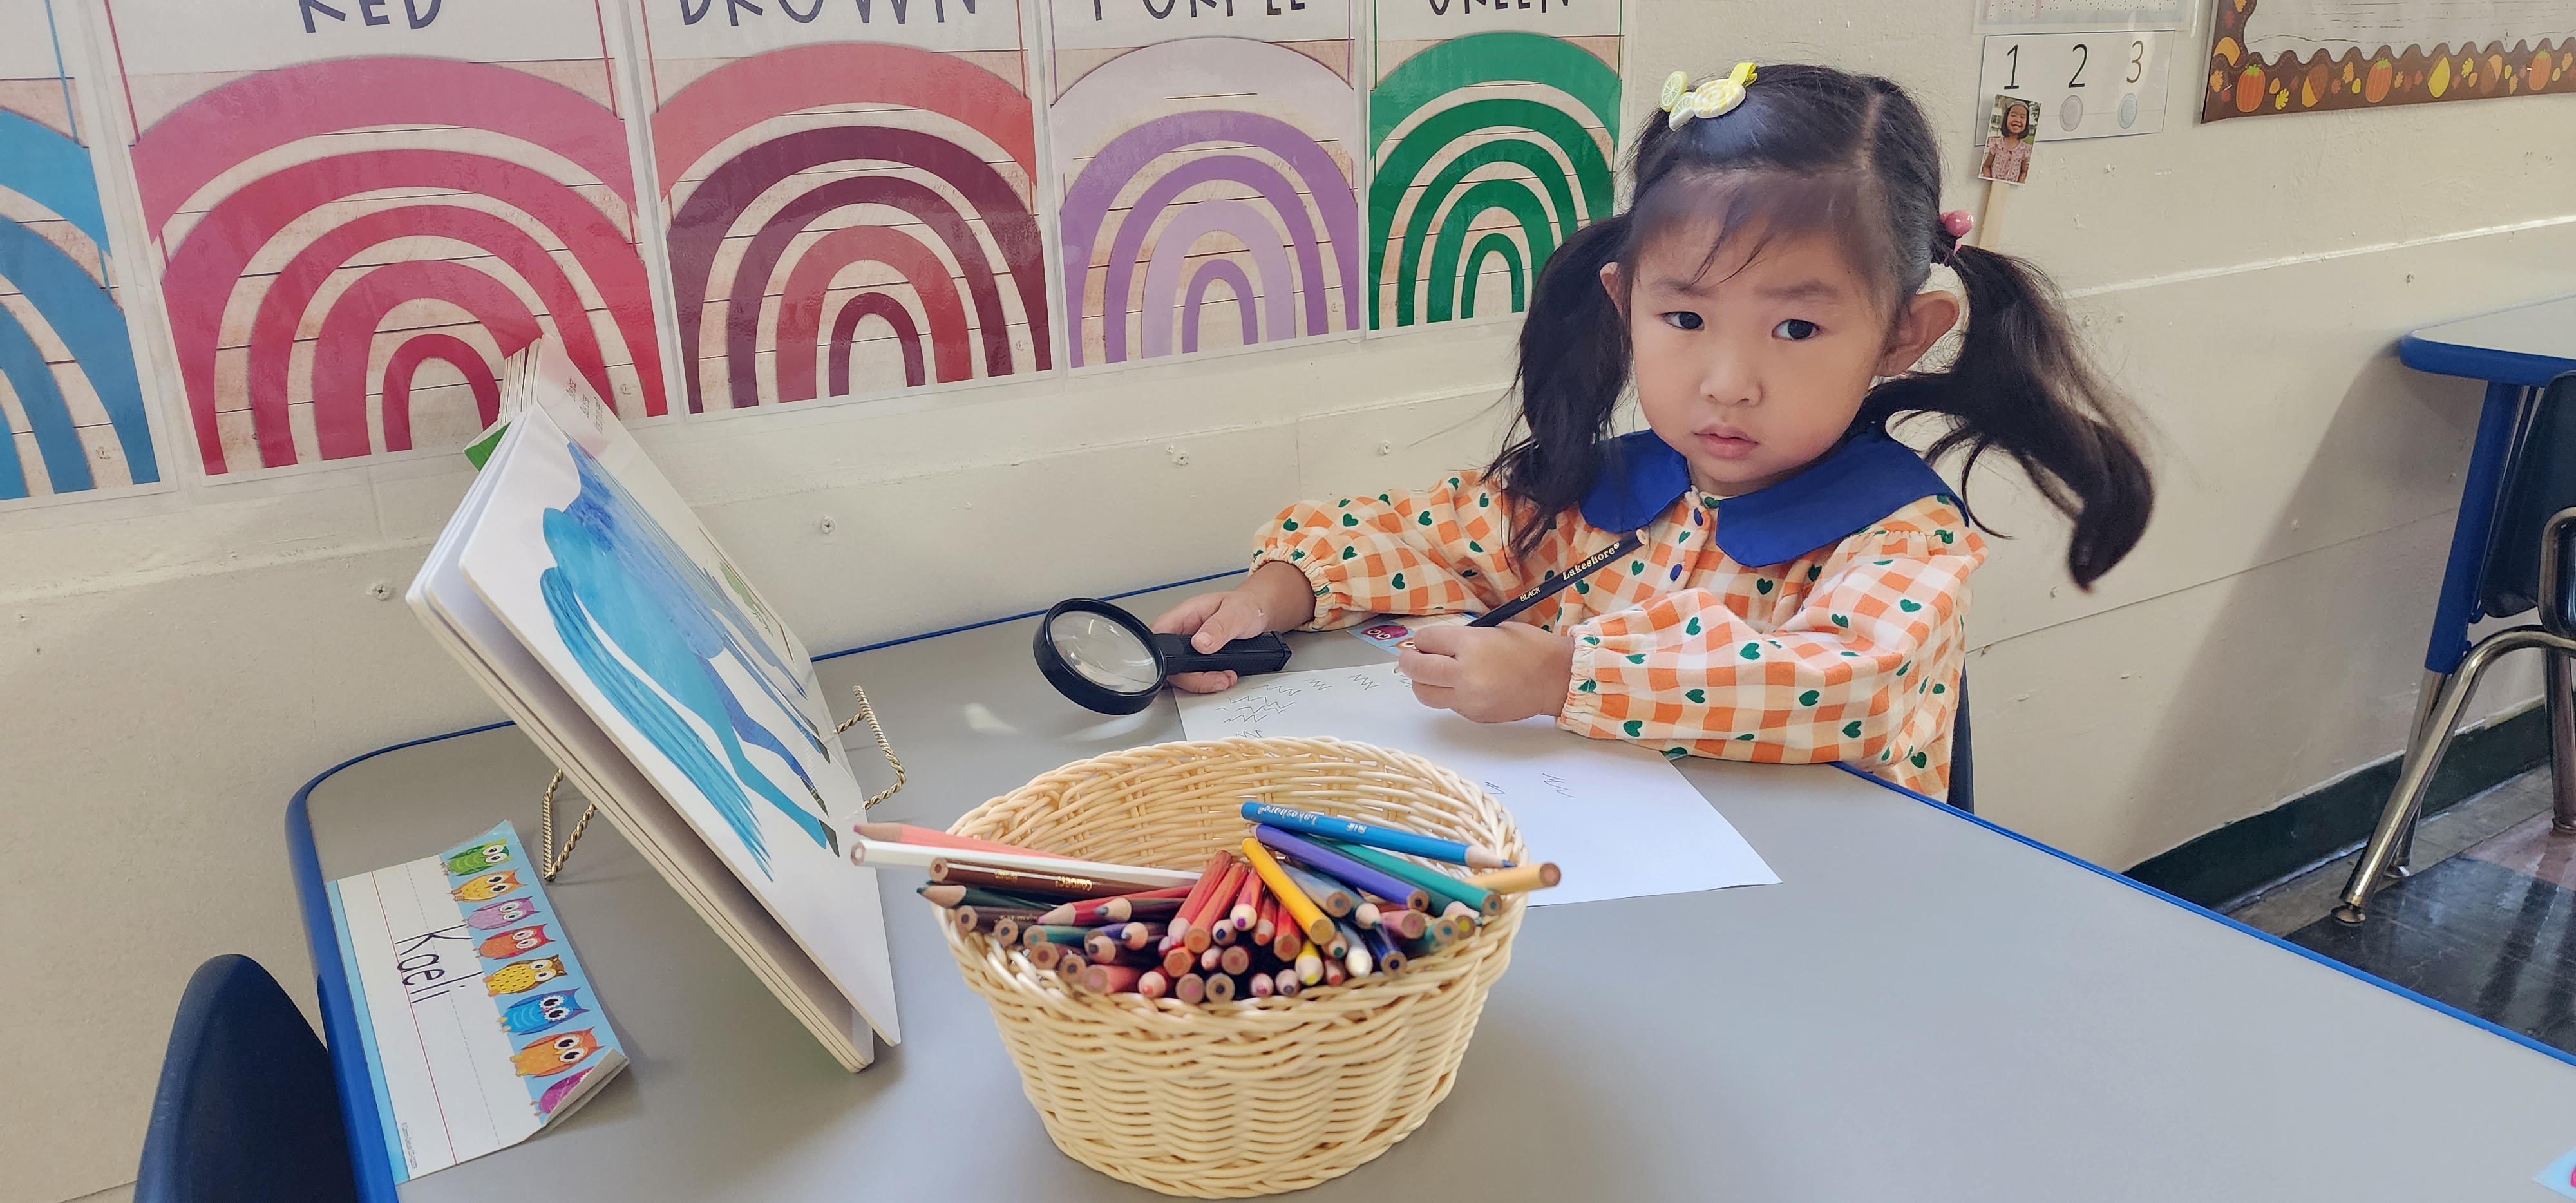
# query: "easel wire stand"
550,860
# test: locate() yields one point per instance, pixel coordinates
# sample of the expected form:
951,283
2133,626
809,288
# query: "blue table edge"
340,1020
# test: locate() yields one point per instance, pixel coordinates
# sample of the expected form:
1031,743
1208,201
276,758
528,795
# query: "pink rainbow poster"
852,194
362,206
1208,154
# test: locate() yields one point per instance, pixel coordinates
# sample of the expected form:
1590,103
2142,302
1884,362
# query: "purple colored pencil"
1350,872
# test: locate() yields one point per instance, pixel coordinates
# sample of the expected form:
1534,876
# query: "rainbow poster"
852,195
1209,157
73,418
1493,125
362,206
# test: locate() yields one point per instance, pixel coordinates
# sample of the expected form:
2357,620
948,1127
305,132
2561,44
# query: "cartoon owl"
519,977
492,916
476,860
547,1057
511,943
542,1012
490,885
554,1095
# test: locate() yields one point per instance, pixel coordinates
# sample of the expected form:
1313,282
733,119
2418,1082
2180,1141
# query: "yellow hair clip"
1716,98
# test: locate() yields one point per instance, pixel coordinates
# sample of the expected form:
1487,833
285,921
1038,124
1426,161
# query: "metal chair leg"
2415,776
2561,687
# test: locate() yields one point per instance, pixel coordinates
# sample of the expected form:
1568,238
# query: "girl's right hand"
1213,620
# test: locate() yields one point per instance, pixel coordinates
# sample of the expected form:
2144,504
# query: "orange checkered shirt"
1848,653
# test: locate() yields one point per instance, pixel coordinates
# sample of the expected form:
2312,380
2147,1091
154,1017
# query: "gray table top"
1924,1009
2542,328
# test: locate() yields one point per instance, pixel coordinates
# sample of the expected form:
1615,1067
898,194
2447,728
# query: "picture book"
579,589
479,1025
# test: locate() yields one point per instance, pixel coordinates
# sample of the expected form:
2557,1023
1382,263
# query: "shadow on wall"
2282,667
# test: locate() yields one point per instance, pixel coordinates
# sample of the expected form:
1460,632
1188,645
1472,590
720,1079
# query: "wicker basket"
1254,1097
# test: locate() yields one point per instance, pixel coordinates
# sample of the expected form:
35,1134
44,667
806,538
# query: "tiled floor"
2487,923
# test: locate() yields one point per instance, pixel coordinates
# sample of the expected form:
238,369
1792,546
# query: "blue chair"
246,1110
2530,563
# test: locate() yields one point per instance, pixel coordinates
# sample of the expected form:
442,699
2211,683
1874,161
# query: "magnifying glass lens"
1105,653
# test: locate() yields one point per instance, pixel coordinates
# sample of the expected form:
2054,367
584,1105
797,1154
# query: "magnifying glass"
1106,660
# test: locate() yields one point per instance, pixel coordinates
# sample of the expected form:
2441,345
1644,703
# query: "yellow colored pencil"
1513,881
1310,918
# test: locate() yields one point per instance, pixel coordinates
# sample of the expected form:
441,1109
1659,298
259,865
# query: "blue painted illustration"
542,1012
622,593
71,302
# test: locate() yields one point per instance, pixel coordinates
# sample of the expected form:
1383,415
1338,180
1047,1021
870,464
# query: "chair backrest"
246,1109
2540,482
1963,766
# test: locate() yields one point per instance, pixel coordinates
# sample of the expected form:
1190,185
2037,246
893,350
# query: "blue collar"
1861,482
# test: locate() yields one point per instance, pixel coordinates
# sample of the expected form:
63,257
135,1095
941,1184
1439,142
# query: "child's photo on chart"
2012,128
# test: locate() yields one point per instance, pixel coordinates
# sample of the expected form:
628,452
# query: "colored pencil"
957,896
1288,984
1465,913
1247,903
1101,946
1042,956
1331,896
1513,881
1382,944
1202,928
1310,918
1177,960
1394,839
983,918
1409,924
1237,959
1330,860
1133,934
1059,886
1290,941
1357,954
1190,988
1266,928
1310,966
1367,914
1040,933
1261,985
1220,988
1225,933
878,855
1334,974
1442,888
1110,979
1070,964
1337,945
1187,916
1152,984
1119,954
1119,908
906,833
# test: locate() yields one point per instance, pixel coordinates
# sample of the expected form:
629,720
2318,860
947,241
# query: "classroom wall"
174,666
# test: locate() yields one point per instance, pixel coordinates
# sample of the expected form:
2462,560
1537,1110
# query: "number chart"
2088,85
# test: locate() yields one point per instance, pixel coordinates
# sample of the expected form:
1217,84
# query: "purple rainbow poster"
1207,153
361,208
852,194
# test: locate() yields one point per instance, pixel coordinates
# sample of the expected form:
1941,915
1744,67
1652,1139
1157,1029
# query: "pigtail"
1573,367
2023,386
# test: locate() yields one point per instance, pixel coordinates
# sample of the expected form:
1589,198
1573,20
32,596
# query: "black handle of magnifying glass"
1264,653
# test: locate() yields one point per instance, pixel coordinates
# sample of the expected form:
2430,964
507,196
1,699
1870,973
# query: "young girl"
1799,593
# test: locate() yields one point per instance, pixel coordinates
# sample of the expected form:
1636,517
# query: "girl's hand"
1490,674
1274,598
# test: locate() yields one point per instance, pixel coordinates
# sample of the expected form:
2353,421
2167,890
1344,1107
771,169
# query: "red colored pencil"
1247,902
1119,908
1207,883
1110,979
1178,960
1237,959
1266,928
1203,919
1152,984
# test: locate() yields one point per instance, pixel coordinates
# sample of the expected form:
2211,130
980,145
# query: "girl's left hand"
1490,674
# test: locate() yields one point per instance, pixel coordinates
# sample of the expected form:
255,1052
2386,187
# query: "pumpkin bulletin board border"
2241,82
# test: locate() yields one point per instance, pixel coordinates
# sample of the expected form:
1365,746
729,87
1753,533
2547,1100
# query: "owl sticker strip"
417,940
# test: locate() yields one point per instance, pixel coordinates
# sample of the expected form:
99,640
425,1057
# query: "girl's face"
1753,370
2016,121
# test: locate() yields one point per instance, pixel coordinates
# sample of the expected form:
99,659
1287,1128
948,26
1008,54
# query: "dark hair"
1816,149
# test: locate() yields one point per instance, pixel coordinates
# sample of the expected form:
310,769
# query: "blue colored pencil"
1393,839
1348,871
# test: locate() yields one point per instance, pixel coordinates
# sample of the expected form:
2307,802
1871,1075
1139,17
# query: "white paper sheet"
1617,818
